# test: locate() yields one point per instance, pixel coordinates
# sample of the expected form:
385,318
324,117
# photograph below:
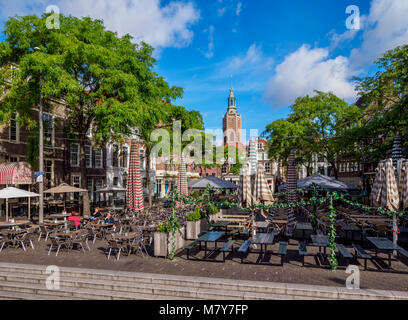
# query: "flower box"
193,229
162,242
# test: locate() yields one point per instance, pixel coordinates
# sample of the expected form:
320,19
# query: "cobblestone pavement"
316,271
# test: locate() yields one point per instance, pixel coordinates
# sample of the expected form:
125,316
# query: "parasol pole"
29,203
6,210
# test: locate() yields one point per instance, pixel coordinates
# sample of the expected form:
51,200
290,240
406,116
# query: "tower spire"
231,98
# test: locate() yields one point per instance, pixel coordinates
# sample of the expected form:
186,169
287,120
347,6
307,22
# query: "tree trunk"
336,175
149,189
84,184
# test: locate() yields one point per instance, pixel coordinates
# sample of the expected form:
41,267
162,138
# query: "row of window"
14,130
119,159
75,156
266,164
350,167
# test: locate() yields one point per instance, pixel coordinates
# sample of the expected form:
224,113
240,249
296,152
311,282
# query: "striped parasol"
291,182
245,189
396,151
262,191
389,196
134,192
375,196
182,186
403,185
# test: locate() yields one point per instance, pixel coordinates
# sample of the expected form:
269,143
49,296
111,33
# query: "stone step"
112,278
187,287
143,288
10,295
193,290
71,293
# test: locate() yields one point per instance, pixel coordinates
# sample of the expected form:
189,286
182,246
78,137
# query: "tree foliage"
384,100
318,125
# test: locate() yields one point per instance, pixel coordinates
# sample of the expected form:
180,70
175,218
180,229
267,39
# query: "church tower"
231,124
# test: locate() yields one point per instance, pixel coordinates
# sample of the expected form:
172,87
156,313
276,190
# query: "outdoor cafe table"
304,226
102,226
13,224
321,241
212,236
349,227
383,244
122,236
60,216
220,225
280,222
53,223
263,239
262,226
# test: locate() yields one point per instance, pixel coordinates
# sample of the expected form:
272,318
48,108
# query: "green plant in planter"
211,209
195,194
195,215
166,226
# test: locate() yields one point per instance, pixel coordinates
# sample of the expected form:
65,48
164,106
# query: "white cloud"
221,11
253,59
210,51
148,20
239,7
306,70
385,28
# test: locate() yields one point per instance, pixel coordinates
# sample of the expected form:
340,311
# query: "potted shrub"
162,239
213,213
193,224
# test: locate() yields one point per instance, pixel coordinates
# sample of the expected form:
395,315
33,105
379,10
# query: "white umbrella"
11,193
111,189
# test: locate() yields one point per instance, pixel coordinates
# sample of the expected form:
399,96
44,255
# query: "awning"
16,173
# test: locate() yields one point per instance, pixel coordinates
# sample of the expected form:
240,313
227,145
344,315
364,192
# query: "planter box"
193,229
162,242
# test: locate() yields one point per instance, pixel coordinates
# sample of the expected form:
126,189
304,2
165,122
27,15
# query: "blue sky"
275,51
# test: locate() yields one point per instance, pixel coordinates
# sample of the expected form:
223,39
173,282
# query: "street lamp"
41,153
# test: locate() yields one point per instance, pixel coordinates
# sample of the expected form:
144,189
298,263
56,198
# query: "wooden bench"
359,251
226,248
302,251
401,251
245,232
190,246
243,249
283,246
234,233
344,252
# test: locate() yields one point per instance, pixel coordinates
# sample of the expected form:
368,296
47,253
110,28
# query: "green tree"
106,81
384,100
316,125
164,118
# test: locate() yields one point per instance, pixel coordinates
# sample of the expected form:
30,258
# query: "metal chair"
116,246
81,239
44,230
58,242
